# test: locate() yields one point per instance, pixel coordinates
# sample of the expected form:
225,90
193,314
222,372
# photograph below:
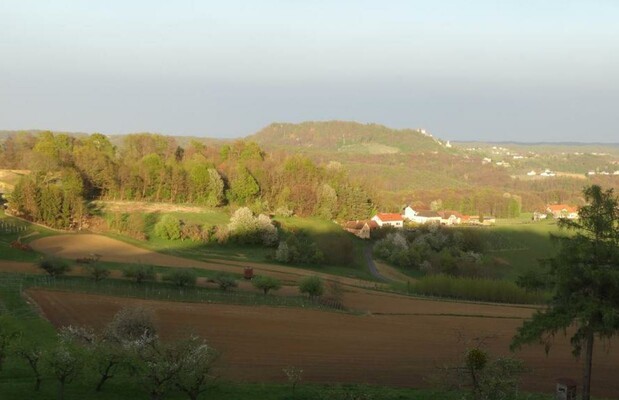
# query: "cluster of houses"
363,229
546,172
557,211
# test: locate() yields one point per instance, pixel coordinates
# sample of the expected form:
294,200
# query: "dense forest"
67,171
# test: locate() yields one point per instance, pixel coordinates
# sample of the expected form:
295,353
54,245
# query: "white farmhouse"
387,219
421,216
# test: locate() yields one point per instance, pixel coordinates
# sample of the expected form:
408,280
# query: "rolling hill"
346,137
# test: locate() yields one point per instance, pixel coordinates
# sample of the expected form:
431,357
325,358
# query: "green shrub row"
476,289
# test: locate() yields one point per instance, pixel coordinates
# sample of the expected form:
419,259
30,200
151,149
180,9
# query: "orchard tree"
225,281
266,283
182,277
312,285
8,333
65,362
195,373
140,273
31,353
585,274
54,267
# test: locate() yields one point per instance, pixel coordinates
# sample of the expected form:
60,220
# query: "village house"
389,219
547,172
538,216
421,216
450,217
562,211
361,229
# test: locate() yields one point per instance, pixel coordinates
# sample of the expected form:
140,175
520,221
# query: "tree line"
66,171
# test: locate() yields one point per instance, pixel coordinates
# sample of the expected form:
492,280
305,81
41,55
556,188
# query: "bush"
474,289
169,227
225,281
98,272
245,228
299,248
195,233
181,277
266,283
312,285
54,267
140,274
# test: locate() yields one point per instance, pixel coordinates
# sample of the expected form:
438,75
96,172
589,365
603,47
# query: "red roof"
387,217
561,207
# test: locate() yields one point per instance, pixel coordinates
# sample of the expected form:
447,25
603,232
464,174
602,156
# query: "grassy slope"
521,243
325,233
7,236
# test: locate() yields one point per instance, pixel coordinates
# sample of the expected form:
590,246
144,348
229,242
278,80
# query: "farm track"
403,350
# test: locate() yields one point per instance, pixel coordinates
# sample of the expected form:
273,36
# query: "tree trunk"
37,384
586,378
101,382
61,390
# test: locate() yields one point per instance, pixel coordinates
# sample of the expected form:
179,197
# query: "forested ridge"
67,171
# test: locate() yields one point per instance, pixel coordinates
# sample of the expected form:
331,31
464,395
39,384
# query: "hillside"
346,137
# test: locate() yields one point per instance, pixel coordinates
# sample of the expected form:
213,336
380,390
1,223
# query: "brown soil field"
18,266
396,349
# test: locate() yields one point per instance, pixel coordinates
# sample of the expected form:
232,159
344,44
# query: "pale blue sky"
486,70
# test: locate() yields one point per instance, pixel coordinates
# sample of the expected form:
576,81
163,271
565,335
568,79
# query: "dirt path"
403,350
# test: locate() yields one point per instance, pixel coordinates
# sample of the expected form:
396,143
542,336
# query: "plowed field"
403,347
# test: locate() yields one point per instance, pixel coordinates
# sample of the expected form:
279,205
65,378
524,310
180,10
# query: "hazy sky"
536,70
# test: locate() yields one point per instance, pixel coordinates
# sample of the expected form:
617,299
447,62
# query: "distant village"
506,157
411,217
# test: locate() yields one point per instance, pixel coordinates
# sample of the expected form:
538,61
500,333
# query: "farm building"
563,211
421,216
389,219
450,217
361,229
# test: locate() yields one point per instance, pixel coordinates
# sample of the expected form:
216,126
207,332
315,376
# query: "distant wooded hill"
346,137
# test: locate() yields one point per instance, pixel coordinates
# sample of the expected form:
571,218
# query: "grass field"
521,243
11,229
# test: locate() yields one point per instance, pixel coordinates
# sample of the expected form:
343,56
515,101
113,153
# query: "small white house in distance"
547,173
421,216
388,219
531,173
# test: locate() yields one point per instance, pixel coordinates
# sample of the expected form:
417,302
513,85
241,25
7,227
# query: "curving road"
372,266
